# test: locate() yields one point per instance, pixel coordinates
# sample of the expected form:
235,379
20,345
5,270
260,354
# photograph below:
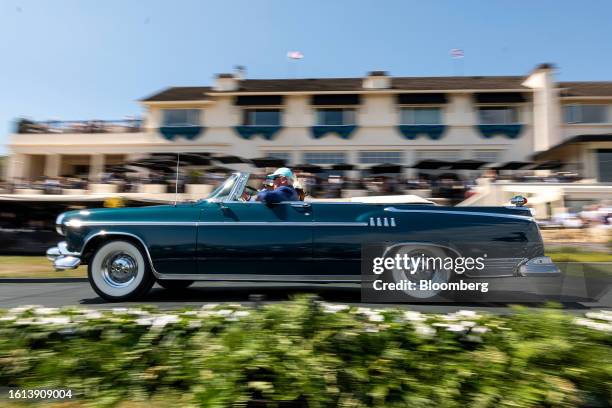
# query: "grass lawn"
35,267
40,267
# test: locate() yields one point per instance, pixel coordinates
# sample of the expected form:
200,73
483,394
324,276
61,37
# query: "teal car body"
226,238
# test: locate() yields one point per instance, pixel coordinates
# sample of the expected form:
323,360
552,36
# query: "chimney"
546,113
377,80
226,82
240,72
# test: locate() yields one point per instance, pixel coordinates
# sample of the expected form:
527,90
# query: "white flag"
295,55
457,53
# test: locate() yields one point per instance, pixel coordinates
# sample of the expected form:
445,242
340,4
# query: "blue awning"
434,132
510,131
267,132
172,132
344,131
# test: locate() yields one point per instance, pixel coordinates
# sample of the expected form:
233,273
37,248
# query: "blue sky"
93,59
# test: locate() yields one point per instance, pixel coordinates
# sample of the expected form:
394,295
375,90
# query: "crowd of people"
451,187
127,125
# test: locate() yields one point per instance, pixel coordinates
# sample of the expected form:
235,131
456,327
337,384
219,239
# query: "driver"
282,187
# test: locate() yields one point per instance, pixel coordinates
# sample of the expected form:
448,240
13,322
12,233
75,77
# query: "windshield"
224,189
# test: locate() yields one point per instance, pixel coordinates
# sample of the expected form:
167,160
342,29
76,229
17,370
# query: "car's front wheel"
118,271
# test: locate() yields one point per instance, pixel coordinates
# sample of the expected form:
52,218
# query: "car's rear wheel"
432,272
118,271
174,284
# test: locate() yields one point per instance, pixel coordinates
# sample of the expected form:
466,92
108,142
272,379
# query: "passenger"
282,180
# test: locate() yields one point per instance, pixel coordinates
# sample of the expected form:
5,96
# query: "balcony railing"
80,126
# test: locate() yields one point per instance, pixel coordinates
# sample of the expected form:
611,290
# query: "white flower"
601,315
333,308
456,328
144,321
466,313
224,312
46,310
163,320
424,330
93,314
593,324
480,329
210,306
241,313
413,316
21,309
375,317
24,321
119,310
54,320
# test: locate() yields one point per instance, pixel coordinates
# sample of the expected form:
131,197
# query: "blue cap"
282,171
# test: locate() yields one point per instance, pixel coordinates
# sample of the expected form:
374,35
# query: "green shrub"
311,354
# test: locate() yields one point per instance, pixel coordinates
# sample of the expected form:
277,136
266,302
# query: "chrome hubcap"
119,269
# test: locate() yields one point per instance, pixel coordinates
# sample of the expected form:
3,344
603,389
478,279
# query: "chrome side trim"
143,223
263,278
454,212
224,223
284,224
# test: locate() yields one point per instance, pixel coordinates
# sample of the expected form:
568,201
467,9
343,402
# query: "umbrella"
342,166
267,162
195,159
308,168
512,165
230,159
431,164
385,168
548,165
218,169
118,169
467,165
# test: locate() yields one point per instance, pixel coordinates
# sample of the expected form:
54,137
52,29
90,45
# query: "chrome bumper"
540,266
62,258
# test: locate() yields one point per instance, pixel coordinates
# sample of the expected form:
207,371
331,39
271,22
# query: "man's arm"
276,196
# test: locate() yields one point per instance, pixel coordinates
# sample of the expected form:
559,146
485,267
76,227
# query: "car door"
237,238
341,229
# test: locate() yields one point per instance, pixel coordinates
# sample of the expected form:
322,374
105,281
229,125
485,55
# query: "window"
604,165
261,117
324,157
181,117
585,113
286,156
498,115
421,116
489,156
335,116
380,157
444,155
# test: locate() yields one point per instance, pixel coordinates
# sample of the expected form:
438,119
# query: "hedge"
310,353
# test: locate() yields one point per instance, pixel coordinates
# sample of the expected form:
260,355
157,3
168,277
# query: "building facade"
325,121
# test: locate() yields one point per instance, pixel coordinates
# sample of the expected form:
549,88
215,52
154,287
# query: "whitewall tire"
118,271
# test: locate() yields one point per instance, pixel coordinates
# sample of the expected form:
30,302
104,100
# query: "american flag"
457,53
295,55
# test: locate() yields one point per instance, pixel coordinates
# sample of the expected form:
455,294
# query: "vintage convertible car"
228,237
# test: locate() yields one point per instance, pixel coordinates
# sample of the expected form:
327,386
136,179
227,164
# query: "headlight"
59,227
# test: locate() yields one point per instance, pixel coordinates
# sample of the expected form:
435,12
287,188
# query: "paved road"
80,293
